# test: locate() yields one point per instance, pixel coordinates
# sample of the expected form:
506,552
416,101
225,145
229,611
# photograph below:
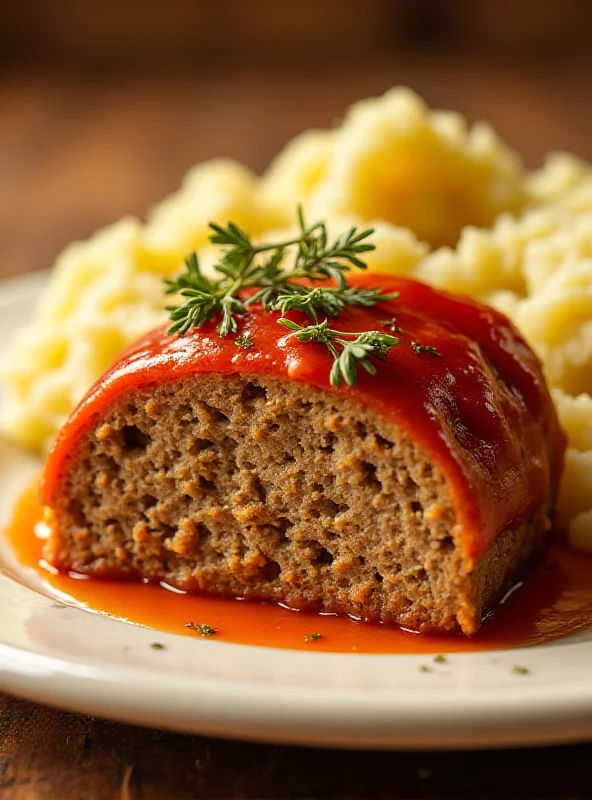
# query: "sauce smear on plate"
556,600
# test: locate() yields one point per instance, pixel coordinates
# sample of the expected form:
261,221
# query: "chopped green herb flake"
418,349
157,646
312,636
440,659
425,668
59,605
244,340
202,628
518,670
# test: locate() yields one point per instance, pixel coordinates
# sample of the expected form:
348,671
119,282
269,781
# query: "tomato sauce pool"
555,600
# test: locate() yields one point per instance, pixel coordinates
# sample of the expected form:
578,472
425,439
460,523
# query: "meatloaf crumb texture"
263,488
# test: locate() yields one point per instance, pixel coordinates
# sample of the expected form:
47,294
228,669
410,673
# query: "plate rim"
430,718
522,718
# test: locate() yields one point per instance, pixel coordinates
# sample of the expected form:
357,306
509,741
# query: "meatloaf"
414,497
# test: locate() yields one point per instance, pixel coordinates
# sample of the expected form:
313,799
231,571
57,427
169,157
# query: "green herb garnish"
157,646
425,668
244,340
421,348
440,659
312,636
285,287
518,670
246,265
348,353
328,300
202,628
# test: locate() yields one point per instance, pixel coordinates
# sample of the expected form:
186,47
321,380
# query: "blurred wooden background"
183,33
104,104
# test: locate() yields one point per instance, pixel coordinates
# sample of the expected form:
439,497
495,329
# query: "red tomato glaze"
481,410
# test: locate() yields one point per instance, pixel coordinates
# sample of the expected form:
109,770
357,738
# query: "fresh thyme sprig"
329,300
348,353
205,299
245,265
278,287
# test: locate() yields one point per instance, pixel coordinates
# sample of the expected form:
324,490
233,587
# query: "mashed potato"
393,159
450,205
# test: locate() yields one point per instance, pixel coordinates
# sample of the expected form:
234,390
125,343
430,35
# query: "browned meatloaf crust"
261,487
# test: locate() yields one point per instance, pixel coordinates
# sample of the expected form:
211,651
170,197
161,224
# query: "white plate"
78,660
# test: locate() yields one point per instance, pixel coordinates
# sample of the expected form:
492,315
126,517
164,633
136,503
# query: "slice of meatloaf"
266,488
248,482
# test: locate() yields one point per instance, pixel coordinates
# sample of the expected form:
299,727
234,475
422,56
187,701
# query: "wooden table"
78,153
48,754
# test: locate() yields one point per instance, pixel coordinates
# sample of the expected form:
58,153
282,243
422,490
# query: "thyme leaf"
348,353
